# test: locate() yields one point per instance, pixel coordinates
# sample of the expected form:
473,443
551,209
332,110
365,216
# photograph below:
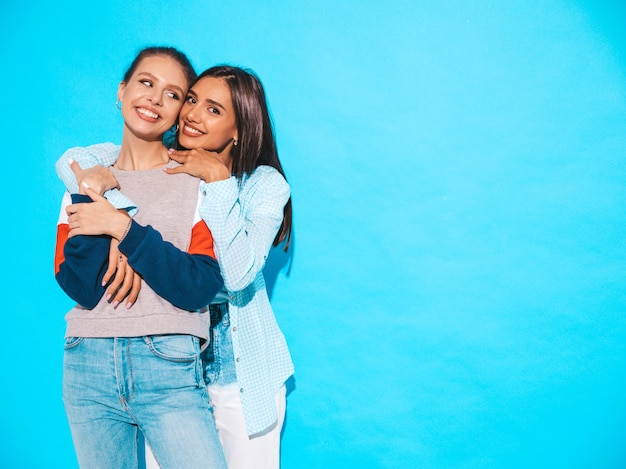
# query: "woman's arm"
81,165
244,222
244,219
103,154
188,280
80,262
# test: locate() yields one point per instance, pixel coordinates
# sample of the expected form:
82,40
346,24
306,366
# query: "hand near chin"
204,164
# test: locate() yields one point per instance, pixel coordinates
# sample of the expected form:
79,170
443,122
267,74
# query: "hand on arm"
97,218
102,154
188,281
124,281
86,270
98,178
80,262
206,165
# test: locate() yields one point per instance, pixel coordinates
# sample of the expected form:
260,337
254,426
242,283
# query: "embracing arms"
97,158
188,280
90,165
244,216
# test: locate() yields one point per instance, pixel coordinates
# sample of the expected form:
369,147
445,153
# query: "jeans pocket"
71,342
176,347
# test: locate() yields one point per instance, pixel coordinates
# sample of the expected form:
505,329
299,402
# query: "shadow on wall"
277,260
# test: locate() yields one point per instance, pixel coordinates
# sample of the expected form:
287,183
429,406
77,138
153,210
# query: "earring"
175,128
118,104
235,141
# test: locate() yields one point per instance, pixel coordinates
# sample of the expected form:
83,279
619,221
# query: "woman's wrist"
121,227
216,174
126,230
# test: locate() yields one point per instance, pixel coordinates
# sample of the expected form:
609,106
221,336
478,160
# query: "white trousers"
242,452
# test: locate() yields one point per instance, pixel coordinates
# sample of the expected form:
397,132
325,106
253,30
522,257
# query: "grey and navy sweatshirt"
168,244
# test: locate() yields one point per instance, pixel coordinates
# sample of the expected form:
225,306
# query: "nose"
190,115
156,97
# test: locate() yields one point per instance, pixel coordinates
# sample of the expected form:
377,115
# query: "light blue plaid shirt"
244,217
104,154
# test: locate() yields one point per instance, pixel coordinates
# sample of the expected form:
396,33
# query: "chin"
188,142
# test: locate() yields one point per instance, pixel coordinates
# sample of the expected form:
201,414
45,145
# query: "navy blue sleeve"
188,281
86,260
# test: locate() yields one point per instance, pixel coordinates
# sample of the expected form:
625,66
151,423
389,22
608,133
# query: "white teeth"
191,130
147,113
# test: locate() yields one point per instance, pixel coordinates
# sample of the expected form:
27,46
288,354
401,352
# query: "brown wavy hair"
256,143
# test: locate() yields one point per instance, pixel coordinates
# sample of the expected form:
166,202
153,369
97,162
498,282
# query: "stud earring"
118,104
235,141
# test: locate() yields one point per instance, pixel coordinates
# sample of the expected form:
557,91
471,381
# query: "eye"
173,95
146,82
191,100
213,110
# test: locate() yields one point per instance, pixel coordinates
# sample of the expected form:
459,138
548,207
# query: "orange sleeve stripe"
201,240
63,230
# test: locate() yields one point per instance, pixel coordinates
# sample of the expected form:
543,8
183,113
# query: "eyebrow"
168,85
208,100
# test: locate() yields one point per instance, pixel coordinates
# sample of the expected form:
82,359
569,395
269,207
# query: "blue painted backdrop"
456,294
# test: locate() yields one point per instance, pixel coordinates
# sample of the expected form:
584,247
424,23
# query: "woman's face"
207,119
152,98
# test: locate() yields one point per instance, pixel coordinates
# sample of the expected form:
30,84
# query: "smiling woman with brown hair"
247,206
139,368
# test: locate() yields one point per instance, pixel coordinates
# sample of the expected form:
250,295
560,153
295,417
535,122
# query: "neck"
137,154
225,156
228,162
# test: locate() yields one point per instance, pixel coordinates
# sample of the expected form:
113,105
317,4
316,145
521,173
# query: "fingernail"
85,185
128,305
70,160
170,151
109,295
115,303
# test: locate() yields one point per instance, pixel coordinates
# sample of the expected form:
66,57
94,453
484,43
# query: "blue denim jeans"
218,357
113,387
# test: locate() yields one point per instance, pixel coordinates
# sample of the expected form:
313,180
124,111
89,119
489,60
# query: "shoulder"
96,149
106,146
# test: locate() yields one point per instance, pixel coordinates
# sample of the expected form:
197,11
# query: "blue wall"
456,295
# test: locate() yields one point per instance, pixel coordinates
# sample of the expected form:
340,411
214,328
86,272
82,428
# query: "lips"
191,131
147,114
